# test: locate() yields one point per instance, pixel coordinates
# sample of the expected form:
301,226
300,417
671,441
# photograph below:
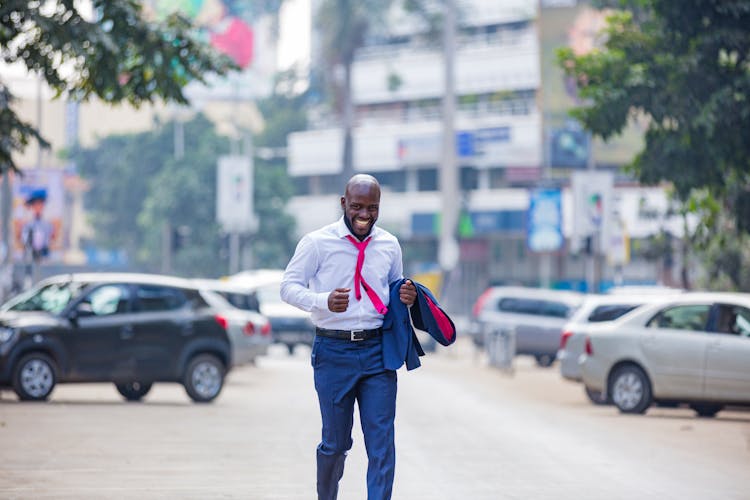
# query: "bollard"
500,343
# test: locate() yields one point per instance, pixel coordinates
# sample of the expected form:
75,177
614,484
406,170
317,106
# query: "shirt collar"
342,231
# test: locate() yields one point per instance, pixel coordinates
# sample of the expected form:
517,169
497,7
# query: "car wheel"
595,397
133,391
630,389
204,378
34,377
707,410
544,360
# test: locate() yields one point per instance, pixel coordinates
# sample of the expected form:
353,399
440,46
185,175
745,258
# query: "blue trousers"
346,372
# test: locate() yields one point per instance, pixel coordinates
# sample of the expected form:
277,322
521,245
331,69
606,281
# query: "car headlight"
6,334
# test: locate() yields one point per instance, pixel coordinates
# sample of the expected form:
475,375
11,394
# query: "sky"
294,33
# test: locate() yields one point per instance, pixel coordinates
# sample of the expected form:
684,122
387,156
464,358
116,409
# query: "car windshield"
51,298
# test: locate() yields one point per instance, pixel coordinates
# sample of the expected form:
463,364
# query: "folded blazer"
400,343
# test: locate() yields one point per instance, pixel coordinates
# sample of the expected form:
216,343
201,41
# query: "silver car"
249,331
691,348
595,309
536,315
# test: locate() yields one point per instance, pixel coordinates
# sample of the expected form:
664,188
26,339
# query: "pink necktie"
361,245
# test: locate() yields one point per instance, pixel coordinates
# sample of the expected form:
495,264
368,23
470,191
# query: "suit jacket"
400,343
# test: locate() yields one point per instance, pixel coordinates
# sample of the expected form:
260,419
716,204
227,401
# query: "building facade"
502,152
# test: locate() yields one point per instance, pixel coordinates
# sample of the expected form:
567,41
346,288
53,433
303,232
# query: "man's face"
361,205
37,207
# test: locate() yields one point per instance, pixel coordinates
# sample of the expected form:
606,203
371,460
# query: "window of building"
427,179
392,181
469,178
497,177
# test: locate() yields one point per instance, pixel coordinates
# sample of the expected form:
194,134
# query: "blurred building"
512,137
237,29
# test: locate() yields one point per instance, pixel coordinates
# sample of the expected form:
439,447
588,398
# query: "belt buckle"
357,335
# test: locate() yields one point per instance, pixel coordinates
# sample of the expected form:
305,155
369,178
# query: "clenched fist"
338,300
407,293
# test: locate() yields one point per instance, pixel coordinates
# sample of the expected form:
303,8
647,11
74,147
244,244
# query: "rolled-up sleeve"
295,283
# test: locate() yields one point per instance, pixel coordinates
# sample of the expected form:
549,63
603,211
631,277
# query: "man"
330,269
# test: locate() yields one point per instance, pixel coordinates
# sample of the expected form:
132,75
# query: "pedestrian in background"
326,276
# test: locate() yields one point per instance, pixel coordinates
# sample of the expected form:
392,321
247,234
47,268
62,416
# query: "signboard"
545,221
234,194
593,205
39,193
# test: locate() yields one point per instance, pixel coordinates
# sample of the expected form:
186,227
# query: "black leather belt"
353,335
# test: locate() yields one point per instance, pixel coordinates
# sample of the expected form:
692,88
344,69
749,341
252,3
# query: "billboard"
39,194
544,232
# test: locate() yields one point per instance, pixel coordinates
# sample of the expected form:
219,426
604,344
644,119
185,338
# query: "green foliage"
685,66
137,186
118,57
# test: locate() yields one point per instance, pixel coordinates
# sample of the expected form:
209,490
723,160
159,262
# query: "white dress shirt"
325,260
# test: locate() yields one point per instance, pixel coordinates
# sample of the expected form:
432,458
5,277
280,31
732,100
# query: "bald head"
361,204
362,182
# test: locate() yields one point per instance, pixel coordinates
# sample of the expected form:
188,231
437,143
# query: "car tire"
595,396
204,378
34,377
544,360
630,389
133,391
707,410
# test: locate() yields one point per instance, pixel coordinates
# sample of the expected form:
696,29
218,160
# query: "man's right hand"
338,300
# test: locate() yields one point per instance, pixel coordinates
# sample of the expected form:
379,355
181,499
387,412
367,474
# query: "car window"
535,307
51,298
733,319
609,312
683,317
106,300
554,309
158,298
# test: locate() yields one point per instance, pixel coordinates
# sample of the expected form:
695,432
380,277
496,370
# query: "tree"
283,112
138,187
118,56
685,66
344,27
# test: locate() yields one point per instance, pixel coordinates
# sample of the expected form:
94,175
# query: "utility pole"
448,251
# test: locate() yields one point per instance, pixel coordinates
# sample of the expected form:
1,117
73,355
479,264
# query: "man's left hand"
408,293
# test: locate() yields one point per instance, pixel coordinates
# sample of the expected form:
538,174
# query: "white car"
594,310
690,348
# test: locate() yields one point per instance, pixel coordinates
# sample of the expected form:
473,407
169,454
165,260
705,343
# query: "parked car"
536,315
129,329
691,348
594,309
290,326
249,331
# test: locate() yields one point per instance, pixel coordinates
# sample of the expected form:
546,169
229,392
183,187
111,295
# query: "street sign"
234,194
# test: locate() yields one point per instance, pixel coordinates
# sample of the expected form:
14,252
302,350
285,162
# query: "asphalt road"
463,431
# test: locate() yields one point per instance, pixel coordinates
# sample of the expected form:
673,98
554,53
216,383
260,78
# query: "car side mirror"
82,310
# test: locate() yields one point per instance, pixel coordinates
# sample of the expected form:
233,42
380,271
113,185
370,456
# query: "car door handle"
126,332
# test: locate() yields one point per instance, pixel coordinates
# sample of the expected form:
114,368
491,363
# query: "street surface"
463,431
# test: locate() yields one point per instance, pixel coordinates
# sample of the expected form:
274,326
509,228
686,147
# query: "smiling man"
330,270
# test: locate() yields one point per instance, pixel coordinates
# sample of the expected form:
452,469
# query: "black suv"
130,329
